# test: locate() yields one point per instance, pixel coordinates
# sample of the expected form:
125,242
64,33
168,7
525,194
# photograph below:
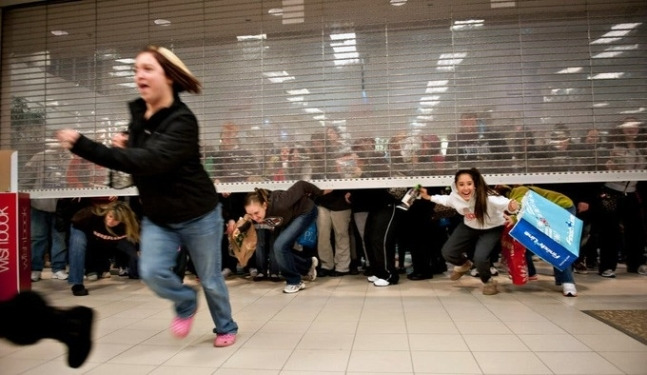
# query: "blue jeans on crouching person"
292,265
76,251
202,237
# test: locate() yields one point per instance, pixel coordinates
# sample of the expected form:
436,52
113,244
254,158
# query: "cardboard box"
548,230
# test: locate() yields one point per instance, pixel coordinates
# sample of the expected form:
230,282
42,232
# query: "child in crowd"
288,213
483,210
96,234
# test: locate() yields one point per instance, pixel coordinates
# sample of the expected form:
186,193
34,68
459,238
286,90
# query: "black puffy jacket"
163,156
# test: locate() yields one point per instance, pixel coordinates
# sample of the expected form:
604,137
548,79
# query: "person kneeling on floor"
96,234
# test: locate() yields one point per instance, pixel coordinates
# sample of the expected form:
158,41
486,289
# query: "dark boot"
31,320
77,333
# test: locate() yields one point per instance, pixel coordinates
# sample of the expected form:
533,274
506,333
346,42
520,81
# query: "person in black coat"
179,201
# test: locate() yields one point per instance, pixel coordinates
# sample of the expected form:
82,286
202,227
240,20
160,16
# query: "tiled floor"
347,326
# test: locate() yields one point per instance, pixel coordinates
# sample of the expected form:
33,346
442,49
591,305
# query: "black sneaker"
79,290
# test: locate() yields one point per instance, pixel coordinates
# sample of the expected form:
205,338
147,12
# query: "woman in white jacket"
483,210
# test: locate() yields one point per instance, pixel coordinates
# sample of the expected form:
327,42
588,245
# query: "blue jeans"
77,246
202,237
292,265
561,277
43,228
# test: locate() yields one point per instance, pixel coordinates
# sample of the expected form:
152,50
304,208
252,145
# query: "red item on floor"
515,256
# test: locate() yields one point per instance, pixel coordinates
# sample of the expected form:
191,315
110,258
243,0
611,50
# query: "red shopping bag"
515,255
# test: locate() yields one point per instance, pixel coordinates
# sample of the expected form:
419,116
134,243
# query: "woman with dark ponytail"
287,213
483,210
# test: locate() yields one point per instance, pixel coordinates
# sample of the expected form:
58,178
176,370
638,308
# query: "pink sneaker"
224,339
180,327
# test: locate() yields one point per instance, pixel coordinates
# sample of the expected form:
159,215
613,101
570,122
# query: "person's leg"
27,318
381,228
76,251
532,271
273,264
565,276
159,251
341,224
203,238
403,239
129,249
261,254
421,232
390,241
438,233
290,265
459,244
360,222
58,248
39,239
633,234
610,238
324,246
485,244
376,224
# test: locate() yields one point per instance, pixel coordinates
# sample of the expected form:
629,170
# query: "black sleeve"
161,152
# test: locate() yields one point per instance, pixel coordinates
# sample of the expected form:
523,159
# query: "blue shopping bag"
548,230
309,237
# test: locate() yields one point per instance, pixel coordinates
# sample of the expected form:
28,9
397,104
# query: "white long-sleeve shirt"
496,206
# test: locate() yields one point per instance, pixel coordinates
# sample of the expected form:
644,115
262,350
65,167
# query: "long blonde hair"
124,214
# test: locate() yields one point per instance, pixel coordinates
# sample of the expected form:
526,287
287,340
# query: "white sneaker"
381,282
290,288
474,272
60,275
92,276
568,290
642,270
106,275
608,274
494,271
253,272
372,279
226,273
312,272
35,275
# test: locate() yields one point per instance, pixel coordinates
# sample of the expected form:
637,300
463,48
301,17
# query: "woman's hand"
509,220
67,137
120,140
424,194
513,206
231,226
